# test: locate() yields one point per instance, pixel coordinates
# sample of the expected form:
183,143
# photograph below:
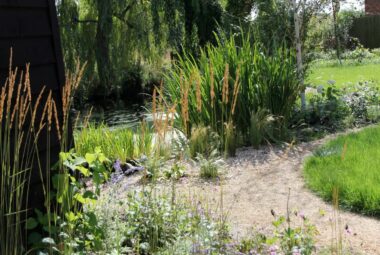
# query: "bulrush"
236,90
199,93
225,93
212,85
185,103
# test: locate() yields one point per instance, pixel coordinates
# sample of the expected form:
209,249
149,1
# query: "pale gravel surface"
257,181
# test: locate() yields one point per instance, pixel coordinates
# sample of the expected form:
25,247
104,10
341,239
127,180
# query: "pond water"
126,117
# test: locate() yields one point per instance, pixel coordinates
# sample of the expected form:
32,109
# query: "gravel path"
258,181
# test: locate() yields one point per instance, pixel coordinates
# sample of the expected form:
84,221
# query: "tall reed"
19,133
237,78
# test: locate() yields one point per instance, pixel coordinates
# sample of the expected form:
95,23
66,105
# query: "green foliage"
66,226
240,9
261,127
175,172
152,222
254,79
203,141
289,237
210,166
154,225
123,143
230,140
327,108
350,164
321,35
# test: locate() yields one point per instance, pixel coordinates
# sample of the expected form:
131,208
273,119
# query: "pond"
119,117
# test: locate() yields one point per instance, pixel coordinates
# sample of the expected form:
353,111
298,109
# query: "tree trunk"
103,37
299,53
336,8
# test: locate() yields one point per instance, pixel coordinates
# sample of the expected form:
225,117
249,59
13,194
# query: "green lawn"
345,75
352,164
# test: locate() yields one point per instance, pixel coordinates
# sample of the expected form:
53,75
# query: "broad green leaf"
31,223
90,158
83,171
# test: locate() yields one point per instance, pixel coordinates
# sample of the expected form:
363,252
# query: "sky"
350,4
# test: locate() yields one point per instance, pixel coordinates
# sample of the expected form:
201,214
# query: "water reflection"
127,117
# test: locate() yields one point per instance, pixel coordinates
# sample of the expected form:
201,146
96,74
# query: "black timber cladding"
30,28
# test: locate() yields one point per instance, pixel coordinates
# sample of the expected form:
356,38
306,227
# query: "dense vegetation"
218,75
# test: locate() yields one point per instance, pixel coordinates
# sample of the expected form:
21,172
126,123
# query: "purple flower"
302,215
273,250
348,230
117,166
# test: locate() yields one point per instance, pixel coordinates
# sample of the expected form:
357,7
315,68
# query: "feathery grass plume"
72,83
185,103
16,105
226,88
2,101
44,117
57,126
39,98
76,120
198,93
212,85
236,90
87,118
18,152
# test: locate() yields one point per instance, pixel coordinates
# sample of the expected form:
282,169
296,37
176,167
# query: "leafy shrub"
363,103
152,222
176,171
326,108
359,54
69,228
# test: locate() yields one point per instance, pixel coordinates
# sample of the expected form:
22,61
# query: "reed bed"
121,143
230,81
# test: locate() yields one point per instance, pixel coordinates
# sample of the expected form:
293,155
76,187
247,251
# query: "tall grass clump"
121,143
16,158
230,81
261,127
22,124
203,141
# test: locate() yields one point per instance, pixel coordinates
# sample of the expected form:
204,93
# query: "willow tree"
335,10
190,24
240,9
103,39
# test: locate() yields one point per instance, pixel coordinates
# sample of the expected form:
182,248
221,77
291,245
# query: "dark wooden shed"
30,28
